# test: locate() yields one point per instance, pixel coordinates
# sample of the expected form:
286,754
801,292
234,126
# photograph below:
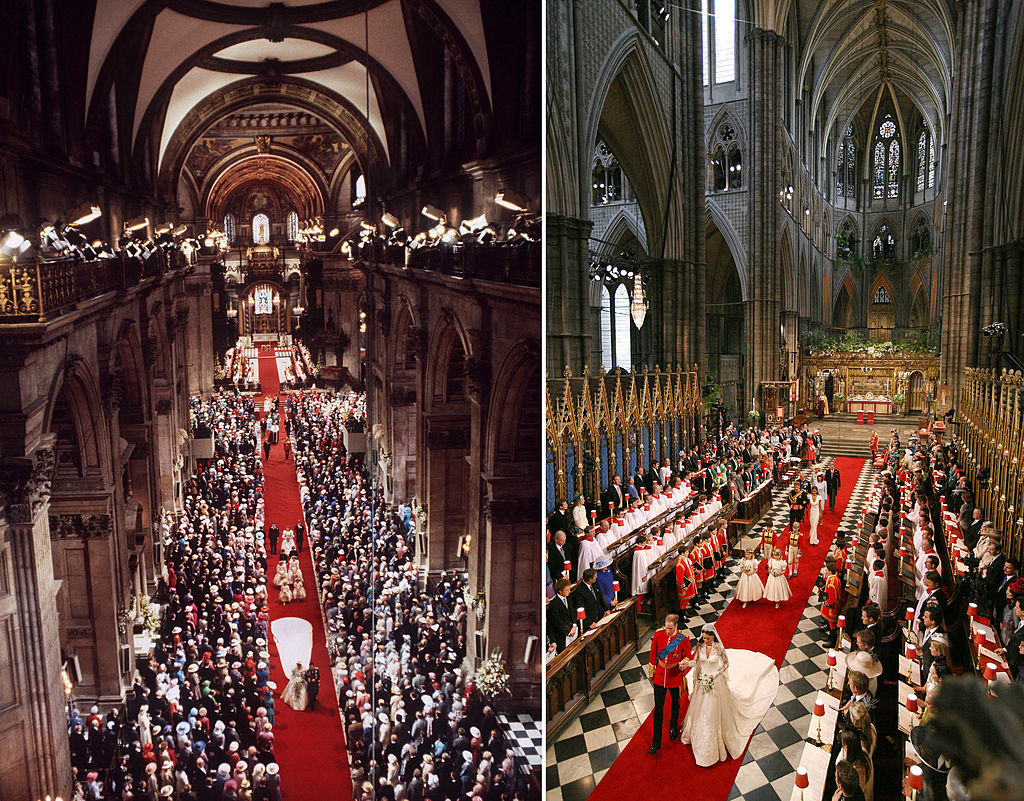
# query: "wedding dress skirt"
719,723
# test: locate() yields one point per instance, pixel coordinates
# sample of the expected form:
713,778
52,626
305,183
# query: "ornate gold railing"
599,425
37,291
991,428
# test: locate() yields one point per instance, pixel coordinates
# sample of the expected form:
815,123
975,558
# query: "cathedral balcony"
43,290
501,262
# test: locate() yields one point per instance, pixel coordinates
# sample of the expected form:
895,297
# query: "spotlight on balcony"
474,225
434,213
390,220
82,213
136,223
512,200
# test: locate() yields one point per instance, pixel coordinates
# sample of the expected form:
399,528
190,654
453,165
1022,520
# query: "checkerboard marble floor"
585,750
527,740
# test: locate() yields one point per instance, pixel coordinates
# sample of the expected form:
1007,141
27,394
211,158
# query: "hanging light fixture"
638,304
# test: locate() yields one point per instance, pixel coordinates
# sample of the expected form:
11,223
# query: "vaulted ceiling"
372,72
854,54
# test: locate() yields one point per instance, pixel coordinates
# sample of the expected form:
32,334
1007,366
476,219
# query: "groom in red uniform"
669,648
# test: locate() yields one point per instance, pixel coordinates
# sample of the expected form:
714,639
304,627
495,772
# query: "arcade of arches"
257,170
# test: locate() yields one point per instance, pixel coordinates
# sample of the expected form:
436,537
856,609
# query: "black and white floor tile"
585,750
527,740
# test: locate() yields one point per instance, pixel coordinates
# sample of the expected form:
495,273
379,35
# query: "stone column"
36,759
569,333
764,304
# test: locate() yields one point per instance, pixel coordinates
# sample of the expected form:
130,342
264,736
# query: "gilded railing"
600,425
991,429
43,289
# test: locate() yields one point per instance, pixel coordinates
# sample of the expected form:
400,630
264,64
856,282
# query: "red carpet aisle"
309,746
759,627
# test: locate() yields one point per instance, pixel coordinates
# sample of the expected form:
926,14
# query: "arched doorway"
724,320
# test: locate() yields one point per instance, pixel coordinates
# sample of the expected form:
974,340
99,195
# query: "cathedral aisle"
601,754
310,746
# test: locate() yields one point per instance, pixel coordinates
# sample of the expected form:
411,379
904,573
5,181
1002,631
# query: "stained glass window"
841,169
883,246
887,129
881,296
623,358
851,164
922,157
229,227
931,162
261,229
879,170
606,328
293,226
894,168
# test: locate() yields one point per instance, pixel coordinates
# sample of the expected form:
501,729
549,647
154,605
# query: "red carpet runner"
309,746
759,627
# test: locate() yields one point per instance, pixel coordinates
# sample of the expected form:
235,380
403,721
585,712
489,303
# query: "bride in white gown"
730,691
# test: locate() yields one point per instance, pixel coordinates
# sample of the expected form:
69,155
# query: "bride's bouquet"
706,682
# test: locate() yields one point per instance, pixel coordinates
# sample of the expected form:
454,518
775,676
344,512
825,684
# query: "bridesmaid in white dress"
776,589
729,694
749,589
816,508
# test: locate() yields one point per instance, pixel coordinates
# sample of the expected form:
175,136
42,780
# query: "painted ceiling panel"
189,91
349,80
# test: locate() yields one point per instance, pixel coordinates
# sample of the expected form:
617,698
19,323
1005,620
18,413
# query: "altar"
868,404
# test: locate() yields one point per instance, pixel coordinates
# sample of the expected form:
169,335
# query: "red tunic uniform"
673,675
830,604
686,582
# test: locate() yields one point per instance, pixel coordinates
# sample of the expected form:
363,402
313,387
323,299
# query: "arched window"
735,176
718,39
883,246
229,228
293,226
718,182
841,169
921,238
881,295
360,197
931,162
607,178
260,229
886,162
607,359
850,184
922,161
615,328
622,332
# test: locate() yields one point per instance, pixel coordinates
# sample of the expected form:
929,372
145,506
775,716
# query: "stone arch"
403,332
842,308
620,113
713,214
449,353
75,416
788,289
622,225
130,375
513,419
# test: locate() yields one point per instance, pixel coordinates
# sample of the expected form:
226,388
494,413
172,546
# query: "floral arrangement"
706,682
150,618
124,617
492,678
818,342
747,567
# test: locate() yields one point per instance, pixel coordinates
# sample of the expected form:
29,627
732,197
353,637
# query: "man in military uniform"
798,501
686,581
831,596
670,654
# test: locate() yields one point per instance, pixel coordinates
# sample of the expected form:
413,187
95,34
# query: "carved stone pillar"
33,733
569,333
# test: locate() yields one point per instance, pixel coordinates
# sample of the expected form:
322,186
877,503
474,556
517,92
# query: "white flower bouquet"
706,682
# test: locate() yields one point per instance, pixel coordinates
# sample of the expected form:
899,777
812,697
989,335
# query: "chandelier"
638,304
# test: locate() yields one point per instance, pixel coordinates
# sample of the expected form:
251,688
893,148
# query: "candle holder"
840,625
831,662
819,713
802,781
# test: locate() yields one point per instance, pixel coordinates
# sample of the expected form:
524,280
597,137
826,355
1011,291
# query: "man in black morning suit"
587,595
561,615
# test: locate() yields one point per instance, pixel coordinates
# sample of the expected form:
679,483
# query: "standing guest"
312,685
878,585
832,483
300,536
831,596
670,654
560,617
272,534
558,557
594,604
